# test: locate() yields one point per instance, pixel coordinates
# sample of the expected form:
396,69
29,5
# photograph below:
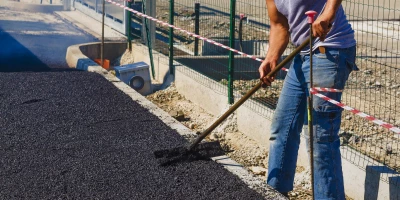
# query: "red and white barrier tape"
357,112
327,89
313,90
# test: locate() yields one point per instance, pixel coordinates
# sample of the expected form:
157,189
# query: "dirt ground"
239,147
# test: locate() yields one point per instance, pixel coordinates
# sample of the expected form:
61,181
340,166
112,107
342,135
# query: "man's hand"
321,27
323,24
265,68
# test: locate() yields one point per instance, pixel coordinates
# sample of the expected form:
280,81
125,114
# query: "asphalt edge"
74,59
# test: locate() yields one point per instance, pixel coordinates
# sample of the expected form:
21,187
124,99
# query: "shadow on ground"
25,48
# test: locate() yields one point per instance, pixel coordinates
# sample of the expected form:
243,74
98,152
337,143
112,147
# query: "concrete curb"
74,59
81,56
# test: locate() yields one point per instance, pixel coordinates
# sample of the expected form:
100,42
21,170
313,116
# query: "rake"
191,151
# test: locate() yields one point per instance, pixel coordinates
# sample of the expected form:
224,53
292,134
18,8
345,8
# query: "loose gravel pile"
73,135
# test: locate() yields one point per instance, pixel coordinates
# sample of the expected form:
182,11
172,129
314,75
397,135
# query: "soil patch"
241,148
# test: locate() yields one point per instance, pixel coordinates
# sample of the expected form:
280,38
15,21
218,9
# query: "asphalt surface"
68,134
76,136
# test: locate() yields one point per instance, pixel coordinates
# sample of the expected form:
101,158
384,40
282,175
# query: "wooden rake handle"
246,96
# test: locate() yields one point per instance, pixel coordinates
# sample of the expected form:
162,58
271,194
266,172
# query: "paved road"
33,41
75,136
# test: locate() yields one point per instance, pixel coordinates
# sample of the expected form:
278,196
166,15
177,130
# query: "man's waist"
330,46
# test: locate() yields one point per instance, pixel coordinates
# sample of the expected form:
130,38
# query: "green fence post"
149,34
231,54
128,25
196,28
171,37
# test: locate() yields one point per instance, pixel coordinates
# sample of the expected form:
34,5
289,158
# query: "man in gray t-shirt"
333,60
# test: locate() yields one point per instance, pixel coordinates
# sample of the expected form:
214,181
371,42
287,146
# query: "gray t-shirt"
340,36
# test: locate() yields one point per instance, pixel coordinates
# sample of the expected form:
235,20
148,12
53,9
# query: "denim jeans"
330,70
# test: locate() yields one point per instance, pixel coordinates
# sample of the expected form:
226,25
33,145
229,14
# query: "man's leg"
285,130
331,70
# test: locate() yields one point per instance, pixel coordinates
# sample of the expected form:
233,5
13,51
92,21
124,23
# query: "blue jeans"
330,70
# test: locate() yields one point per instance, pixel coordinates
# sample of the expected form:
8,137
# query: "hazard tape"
327,89
357,112
313,90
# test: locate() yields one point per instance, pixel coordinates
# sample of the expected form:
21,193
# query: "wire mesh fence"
374,89
205,58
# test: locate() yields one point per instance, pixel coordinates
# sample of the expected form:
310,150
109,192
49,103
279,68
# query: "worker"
333,60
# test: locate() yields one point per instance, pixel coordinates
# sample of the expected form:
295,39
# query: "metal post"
310,118
171,37
310,15
51,1
128,25
196,28
150,6
67,5
231,54
102,34
149,31
242,17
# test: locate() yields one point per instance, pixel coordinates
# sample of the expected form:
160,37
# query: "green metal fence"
375,89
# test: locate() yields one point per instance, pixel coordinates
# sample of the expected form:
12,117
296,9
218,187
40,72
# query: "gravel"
240,148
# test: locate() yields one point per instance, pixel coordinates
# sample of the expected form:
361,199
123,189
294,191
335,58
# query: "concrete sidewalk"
90,25
34,38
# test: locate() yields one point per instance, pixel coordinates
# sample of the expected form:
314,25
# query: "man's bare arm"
278,40
279,34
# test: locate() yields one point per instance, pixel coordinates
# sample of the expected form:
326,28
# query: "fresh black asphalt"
67,134
73,135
